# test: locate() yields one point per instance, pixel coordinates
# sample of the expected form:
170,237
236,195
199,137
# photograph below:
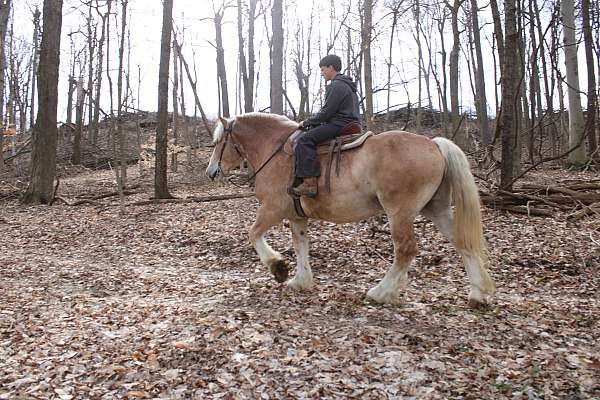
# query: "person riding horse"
340,109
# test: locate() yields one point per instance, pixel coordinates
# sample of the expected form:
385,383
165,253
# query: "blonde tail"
468,231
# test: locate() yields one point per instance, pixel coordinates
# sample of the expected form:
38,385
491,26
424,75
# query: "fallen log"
202,199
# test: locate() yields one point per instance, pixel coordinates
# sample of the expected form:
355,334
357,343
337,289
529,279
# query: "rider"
340,109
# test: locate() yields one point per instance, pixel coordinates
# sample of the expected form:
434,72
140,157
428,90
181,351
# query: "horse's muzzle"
212,171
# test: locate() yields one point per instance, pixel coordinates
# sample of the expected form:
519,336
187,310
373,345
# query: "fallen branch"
527,210
76,203
116,193
202,199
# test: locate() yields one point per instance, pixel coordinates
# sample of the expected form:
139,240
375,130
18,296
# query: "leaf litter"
170,301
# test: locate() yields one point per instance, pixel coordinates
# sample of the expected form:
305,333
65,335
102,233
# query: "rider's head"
330,66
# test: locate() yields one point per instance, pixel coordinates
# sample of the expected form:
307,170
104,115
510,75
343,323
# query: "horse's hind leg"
265,219
304,277
440,213
405,249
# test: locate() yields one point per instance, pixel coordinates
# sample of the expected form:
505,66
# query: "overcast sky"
195,17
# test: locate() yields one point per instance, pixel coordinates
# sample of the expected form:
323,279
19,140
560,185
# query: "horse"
397,173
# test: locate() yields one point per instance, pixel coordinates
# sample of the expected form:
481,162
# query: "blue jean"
307,163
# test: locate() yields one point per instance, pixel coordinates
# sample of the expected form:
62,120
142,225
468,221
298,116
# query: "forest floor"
171,301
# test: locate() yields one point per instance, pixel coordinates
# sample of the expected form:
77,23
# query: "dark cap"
333,60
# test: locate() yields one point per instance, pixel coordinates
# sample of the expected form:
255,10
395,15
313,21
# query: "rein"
229,138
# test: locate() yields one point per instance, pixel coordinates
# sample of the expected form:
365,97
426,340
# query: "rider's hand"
301,124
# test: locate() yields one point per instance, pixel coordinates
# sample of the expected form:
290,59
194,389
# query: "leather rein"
229,138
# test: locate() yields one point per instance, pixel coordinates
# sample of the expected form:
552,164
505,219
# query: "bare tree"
480,95
93,129
79,103
122,175
508,124
247,67
161,190
577,157
5,6
221,70
367,26
43,163
592,96
277,57
34,62
459,136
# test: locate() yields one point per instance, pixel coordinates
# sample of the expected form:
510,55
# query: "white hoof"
298,283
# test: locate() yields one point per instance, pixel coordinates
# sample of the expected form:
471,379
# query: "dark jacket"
341,103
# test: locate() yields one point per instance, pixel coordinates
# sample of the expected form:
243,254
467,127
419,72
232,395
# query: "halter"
228,131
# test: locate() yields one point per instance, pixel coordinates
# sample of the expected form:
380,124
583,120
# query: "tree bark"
161,190
43,162
34,62
221,70
592,96
277,58
122,176
577,157
480,94
76,155
459,135
98,87
176,119
367,66
510,95
5,6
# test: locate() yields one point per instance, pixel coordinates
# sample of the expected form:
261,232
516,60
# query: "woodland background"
124,273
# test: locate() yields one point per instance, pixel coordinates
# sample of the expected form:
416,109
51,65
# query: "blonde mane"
218,132
258,122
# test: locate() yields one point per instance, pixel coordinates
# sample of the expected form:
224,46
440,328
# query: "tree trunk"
76,155
388,114
577,157
98,87
34,62
459,135
221,70
480,95
193,85
122,176
91,36
5,6
43,162
420,62
175,94
508,120
592,96
161,190
367,66
277,58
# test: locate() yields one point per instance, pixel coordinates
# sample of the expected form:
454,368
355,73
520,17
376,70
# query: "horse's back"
391,167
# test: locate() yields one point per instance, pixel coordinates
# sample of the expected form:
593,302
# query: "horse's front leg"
265,219
304,277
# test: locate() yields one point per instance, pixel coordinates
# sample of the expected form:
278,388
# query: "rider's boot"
308,187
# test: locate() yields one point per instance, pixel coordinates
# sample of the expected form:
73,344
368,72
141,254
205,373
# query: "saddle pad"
348,142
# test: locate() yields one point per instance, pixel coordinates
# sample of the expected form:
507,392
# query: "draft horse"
397,173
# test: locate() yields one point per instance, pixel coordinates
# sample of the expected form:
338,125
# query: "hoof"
280,270
297,284
388,298
477,304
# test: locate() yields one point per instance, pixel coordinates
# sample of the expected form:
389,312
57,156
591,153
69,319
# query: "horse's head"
227,153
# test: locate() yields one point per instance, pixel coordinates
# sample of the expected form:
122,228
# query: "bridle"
228,131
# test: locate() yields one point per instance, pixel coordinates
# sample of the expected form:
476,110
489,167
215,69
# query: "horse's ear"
223,121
